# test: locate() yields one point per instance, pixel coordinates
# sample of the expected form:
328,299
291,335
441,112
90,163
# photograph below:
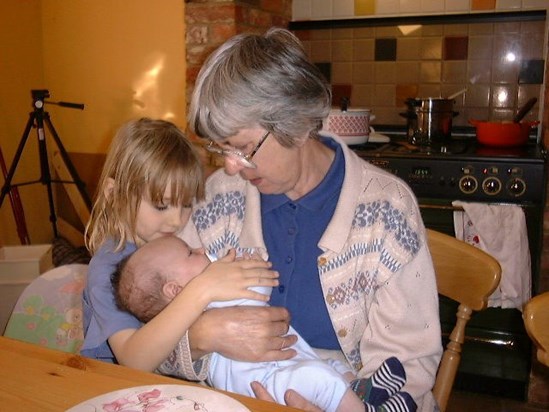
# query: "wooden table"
33,378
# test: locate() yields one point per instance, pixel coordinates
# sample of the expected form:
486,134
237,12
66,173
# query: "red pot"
503,133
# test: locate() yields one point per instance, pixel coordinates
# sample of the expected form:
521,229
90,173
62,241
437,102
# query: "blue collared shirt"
292,230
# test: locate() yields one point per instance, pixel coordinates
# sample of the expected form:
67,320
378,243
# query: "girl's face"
158,220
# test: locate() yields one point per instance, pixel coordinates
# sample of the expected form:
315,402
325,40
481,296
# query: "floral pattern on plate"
161,398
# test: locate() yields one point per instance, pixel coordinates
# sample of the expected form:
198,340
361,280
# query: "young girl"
150,178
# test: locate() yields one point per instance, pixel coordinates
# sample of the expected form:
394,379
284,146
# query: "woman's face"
279,169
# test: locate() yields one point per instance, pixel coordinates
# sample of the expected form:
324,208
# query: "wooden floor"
473,402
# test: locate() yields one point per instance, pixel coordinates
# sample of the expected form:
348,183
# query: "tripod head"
39,96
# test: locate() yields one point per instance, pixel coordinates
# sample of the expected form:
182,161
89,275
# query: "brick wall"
210,22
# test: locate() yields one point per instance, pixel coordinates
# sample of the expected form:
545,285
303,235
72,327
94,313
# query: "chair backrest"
536,322
49,311
467,275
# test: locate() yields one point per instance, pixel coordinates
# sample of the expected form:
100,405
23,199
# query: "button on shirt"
292,230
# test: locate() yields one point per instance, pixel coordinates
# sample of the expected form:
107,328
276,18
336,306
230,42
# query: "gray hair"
260,80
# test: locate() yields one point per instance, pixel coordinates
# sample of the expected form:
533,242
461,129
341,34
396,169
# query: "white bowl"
352,125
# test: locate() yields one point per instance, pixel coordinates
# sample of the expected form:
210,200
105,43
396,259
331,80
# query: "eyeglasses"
243,159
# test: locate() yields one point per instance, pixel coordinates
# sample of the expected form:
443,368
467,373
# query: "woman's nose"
232,166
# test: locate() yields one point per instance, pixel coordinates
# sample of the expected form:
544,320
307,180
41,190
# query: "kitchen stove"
497,352
463,169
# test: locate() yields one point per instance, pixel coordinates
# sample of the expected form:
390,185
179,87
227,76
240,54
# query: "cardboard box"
19,266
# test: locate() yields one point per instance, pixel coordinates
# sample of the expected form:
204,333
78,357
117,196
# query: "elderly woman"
347,238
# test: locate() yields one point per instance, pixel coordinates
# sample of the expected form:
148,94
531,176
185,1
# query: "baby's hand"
228,279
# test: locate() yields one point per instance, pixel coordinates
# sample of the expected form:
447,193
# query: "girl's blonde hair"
143,158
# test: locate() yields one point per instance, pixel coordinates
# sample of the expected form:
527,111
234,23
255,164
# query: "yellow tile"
365,7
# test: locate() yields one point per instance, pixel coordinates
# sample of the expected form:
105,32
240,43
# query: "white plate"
180,398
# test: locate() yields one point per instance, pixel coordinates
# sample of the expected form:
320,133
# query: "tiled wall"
500,64
338,9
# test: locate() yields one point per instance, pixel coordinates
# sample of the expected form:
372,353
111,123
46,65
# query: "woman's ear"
109,187
171,289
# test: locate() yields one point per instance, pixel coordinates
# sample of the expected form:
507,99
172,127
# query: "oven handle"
460,209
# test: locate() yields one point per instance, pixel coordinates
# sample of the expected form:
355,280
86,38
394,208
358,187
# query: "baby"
152,276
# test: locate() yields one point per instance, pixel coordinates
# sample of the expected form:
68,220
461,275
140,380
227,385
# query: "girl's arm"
147,347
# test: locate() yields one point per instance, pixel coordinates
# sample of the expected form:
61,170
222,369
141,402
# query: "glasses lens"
241,159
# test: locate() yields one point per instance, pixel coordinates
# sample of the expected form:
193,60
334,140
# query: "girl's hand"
228,279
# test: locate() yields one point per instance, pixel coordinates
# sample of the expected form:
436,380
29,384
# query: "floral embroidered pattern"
394,222
223,204
353,290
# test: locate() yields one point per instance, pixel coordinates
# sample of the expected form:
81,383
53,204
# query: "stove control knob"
516,187
491,186
468,184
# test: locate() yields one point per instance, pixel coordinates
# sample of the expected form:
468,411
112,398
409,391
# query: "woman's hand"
243,333
291,397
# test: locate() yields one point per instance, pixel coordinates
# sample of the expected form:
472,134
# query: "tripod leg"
7,184
45,171
66,159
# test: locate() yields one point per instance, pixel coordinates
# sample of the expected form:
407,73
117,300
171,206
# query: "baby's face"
188,263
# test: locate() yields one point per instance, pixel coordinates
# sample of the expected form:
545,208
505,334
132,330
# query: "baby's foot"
399,402
387,380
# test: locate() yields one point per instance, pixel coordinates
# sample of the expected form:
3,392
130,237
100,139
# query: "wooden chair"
467,275
536,322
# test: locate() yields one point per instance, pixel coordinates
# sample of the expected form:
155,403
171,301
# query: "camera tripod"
37,118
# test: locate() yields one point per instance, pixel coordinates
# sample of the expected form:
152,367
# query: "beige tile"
478,95
384,95
342,73
531,45
408,71
433,30
363,50
479,71
321,51
481,28
364,32
409,48
363,73
388,31
363,95
480,47
342,51
454,72
503,96
431,48
456,6
342,34
430,72
456,29
387,7
504,71
429,90
506,27
385,72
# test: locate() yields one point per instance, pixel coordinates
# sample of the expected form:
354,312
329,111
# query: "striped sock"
387,380
399,402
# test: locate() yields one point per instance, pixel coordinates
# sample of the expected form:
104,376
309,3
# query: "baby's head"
154,274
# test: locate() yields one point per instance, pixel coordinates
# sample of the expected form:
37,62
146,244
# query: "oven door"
496,354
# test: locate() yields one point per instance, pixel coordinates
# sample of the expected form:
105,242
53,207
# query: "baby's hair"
142,302
144,156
